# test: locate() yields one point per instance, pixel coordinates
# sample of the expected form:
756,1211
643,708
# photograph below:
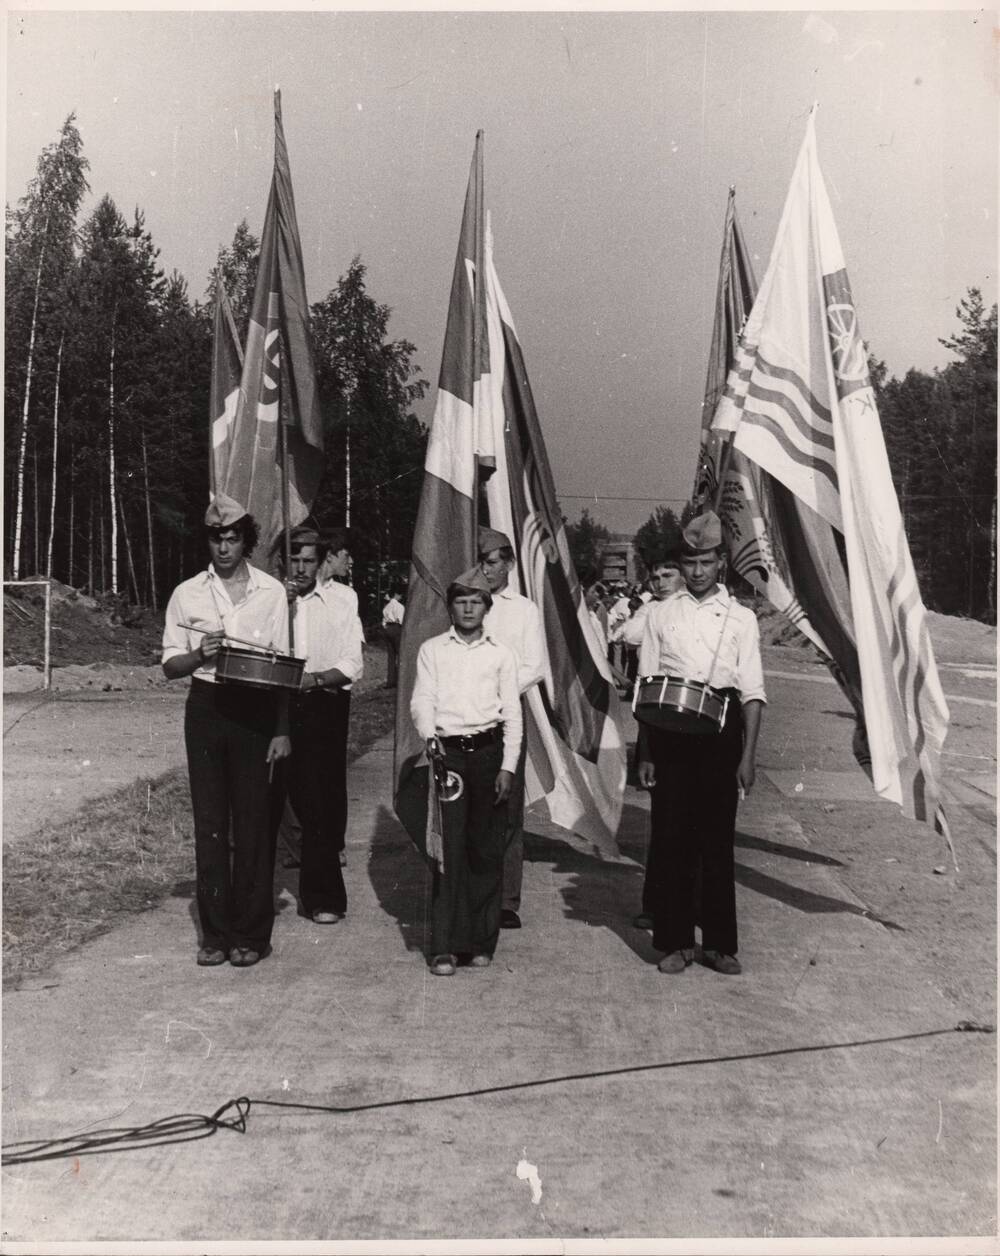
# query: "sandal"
243,957
209,956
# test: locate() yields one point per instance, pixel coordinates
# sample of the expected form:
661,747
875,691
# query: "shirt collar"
506,592
469,645
252,582
719,594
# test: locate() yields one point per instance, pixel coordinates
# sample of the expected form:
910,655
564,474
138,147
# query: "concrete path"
758,1121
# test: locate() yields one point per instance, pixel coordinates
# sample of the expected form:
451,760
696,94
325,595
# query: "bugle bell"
450,785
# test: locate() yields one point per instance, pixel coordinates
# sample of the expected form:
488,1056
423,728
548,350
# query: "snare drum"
679,706
263,669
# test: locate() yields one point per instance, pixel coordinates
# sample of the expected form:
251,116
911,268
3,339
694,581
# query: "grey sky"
611,141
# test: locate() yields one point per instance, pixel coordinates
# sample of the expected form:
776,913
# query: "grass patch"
119,855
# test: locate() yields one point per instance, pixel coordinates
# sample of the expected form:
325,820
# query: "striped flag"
227,367
278,383
485,423
800,402
576,750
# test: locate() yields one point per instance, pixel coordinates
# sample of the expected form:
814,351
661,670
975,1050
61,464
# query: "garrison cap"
473,580
304,536
703,533
490,539
223,512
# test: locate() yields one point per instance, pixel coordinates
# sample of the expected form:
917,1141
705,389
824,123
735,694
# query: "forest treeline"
107,378
107,375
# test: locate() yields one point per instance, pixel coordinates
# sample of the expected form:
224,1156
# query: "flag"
800,401
278,383
784,551
444,539
227,366
576,751
485,424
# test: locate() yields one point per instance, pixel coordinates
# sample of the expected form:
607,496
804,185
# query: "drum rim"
681,680
273,656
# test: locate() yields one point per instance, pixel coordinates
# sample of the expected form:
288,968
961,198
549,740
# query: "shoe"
243,957
481,961
326,917
443,965
642,921
729,965
676,961
209,956
509,919
343,858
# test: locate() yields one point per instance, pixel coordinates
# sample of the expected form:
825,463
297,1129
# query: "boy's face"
701,572
495,569
468,611
226,549
665,579
305,564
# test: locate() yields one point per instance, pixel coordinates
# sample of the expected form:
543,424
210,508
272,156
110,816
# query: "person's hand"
746,774
280,748
292,588
210,644
310,680
434,748
647,774
502,787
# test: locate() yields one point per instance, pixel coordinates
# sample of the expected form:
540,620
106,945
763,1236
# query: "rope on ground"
191,1127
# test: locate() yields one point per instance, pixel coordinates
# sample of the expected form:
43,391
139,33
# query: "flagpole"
284,503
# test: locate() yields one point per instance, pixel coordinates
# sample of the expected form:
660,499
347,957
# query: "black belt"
473,741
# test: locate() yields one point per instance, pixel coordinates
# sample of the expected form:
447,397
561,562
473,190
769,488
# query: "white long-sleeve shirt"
392,612
328,631
467,687
682,634
204,602
516,621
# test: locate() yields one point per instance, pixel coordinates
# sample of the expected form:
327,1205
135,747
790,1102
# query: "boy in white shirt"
465,704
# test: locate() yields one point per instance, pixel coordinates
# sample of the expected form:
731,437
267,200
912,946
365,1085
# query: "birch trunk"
72,518
23,445
112,497
55,463
149,524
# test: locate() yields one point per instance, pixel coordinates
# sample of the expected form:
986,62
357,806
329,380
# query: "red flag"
227,367
279,379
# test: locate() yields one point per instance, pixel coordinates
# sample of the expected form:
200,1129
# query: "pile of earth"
98,643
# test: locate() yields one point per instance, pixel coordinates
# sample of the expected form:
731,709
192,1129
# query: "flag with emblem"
227,367
485,428
278,383
800,401
575,769
444,539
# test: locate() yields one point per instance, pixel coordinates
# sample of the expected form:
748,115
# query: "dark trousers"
692,824
465,910
227,731
317,789
513,860
392,634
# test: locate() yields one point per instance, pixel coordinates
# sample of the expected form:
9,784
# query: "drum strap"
718,644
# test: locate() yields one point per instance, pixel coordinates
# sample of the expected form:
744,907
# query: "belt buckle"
468,741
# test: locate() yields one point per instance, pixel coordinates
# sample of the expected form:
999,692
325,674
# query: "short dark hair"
335,540
245,525
462,590
671,559
301,537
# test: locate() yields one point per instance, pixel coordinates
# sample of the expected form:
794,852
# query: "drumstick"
255,645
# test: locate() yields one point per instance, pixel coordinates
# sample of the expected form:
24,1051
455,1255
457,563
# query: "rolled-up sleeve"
423,710
531,668
750,670
649,650
176,640
635,628
352,661
510,711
